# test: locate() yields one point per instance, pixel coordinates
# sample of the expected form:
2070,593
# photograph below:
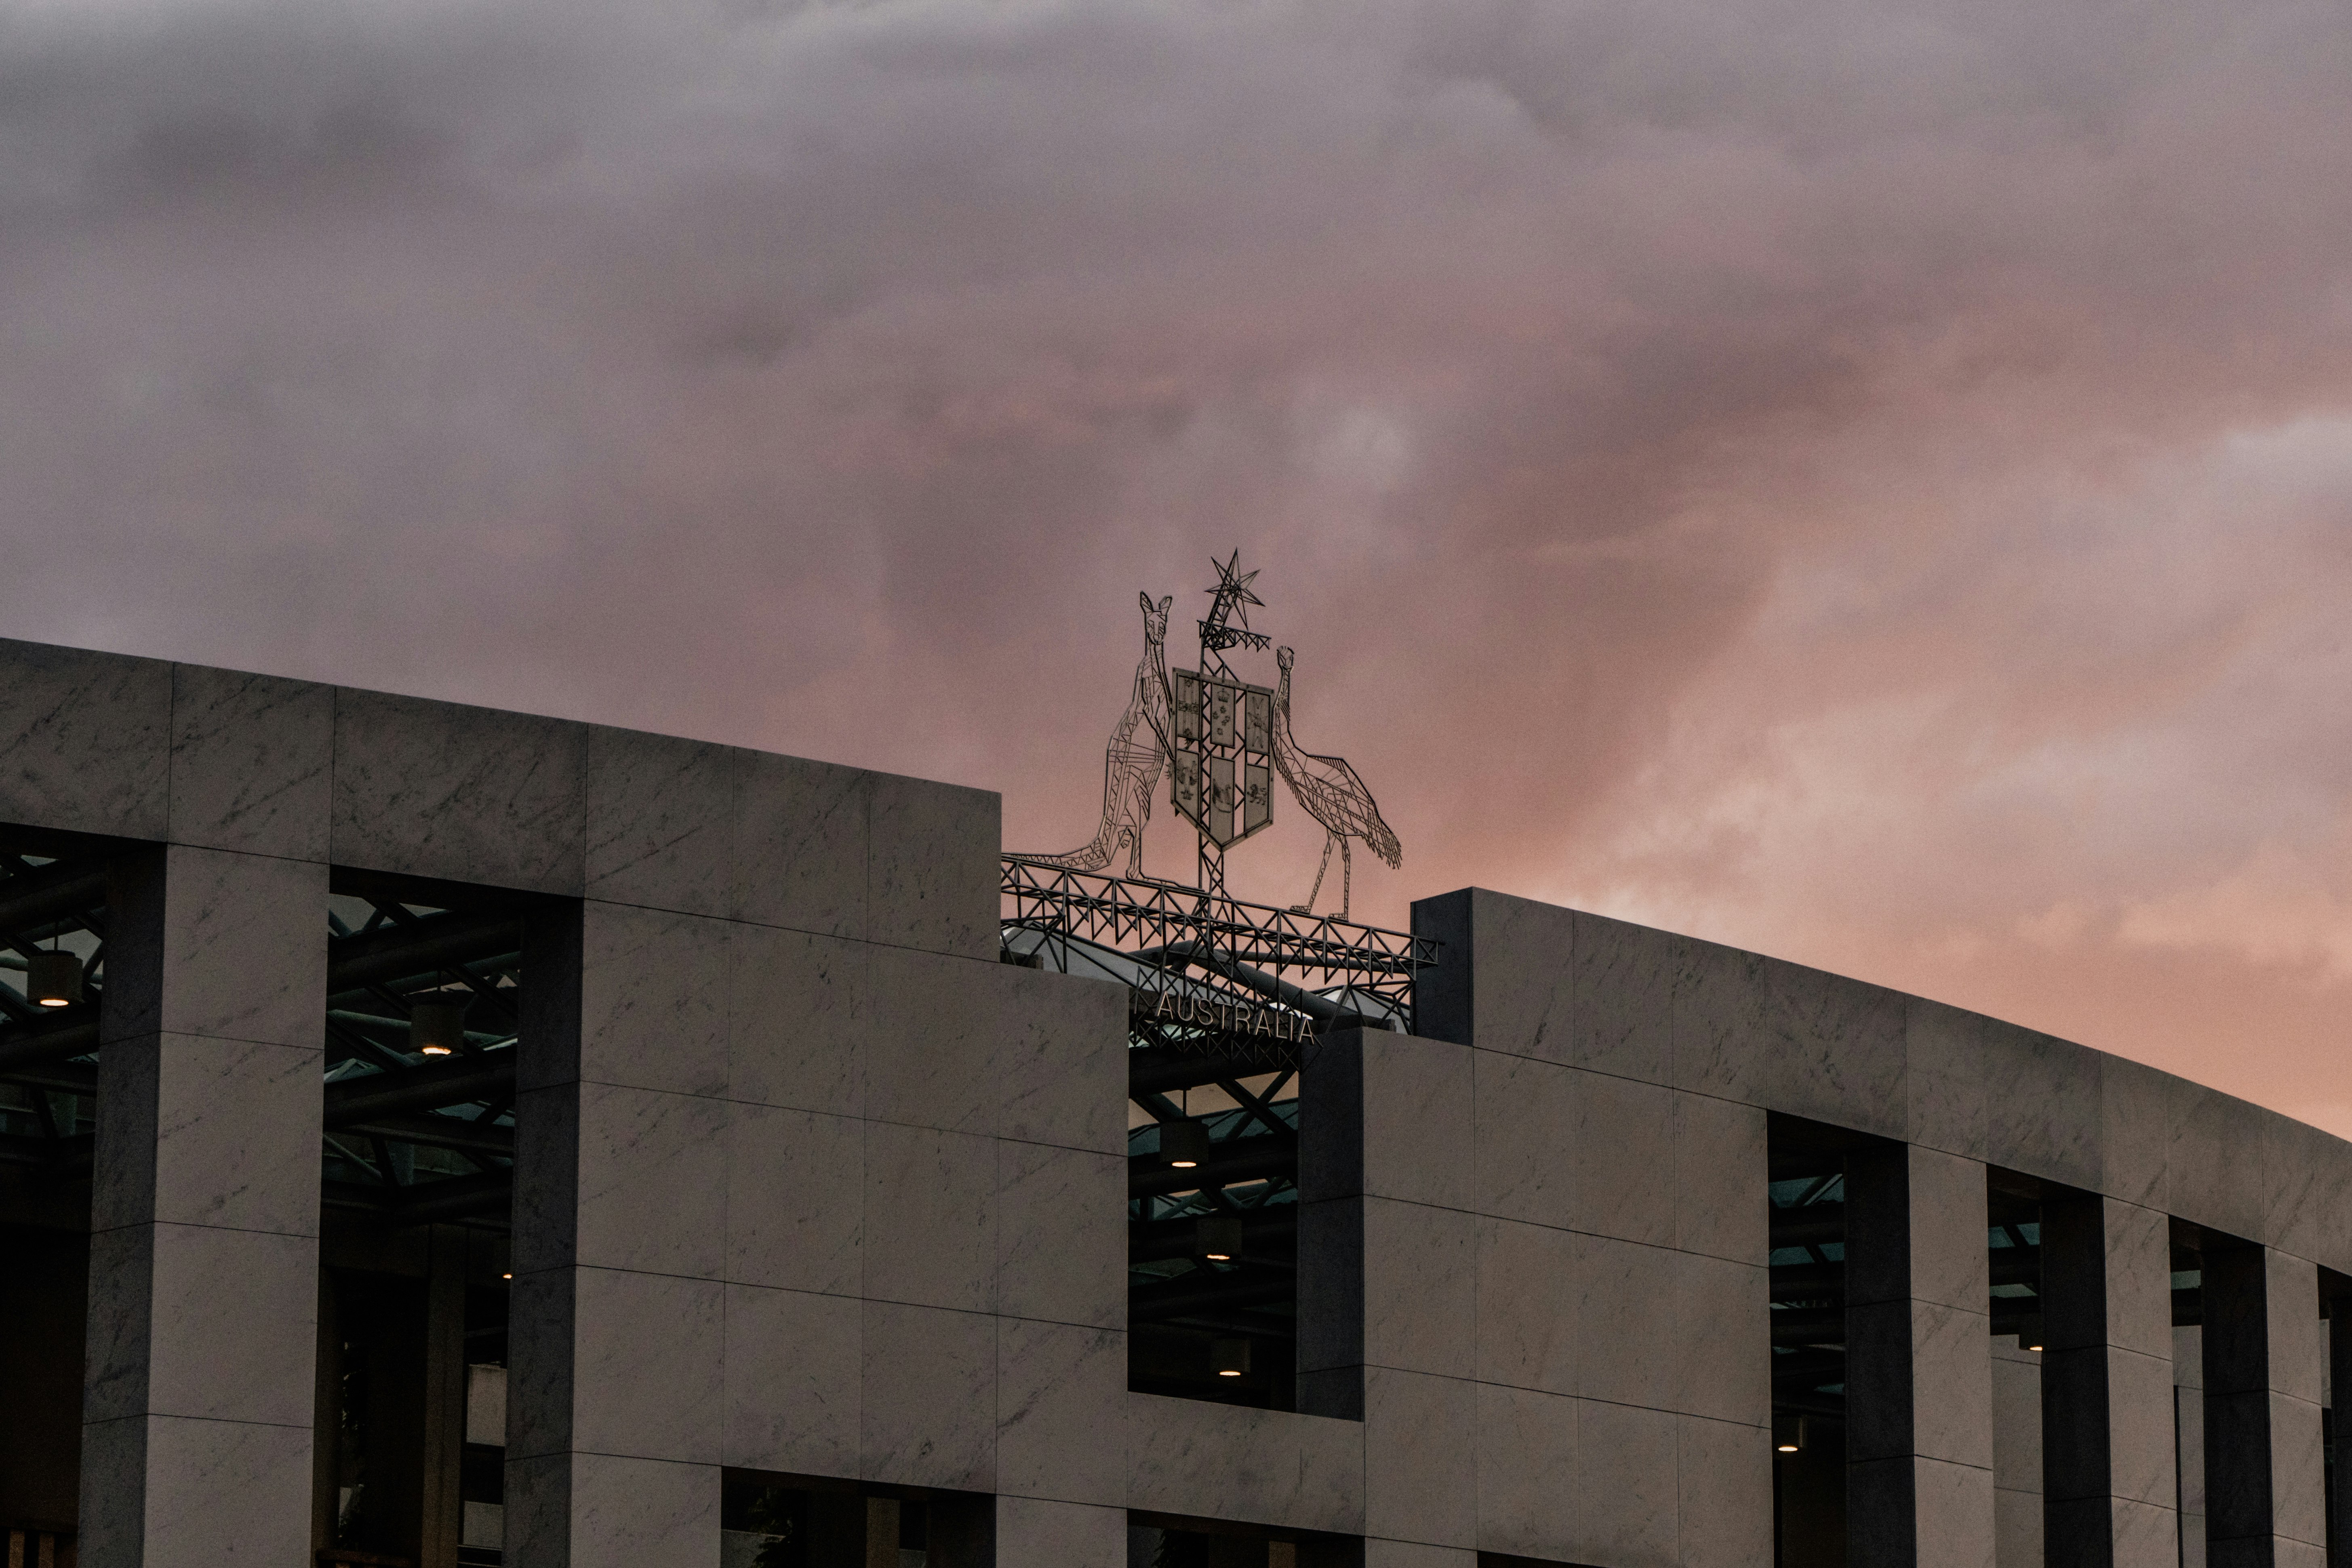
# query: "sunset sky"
1870,483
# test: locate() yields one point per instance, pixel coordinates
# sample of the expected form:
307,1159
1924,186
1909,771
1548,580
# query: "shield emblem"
1222,773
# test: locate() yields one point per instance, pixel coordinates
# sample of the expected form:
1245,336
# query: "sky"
1868,483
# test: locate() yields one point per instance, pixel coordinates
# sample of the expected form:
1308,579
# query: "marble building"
464,1137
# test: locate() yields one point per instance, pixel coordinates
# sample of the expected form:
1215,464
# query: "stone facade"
808,1182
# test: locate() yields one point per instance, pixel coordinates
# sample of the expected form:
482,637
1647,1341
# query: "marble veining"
932,871
800,833
653,1181
793,1381
433,789
1055,1384
89,740
648,1350
795,1199
798,1014
930,1218
928,1402
251,762
653,999
659,816
1061,1248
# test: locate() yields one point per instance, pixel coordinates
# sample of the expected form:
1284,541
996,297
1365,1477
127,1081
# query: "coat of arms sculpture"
1223,742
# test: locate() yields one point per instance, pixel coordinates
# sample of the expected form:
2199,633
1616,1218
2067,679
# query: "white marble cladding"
1562,1351
1582,991
145,750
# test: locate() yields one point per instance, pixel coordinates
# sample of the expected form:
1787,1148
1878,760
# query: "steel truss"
1239,978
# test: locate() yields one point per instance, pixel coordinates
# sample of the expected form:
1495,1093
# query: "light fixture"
1230,1358
1183,1144
1217,1238
1789,1433
2029,1333
437,1028
508,1275
54,978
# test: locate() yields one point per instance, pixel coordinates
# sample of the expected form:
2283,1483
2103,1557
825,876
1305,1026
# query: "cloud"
1867,482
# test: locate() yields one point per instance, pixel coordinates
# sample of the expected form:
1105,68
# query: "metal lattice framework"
1260,962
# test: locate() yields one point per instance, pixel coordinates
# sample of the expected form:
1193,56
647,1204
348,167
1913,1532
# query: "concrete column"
199,1383
2263,1502
2339,1389
1919,1485
2106,1382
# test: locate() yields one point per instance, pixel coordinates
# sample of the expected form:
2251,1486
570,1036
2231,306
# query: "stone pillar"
200,1379
613,1333
2264,1500
1919,1362
2106,1384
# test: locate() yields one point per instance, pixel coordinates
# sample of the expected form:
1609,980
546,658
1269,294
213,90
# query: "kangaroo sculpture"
1132,762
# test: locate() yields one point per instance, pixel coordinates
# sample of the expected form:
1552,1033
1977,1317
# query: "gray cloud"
1868,482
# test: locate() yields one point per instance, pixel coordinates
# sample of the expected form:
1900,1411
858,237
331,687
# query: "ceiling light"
1230,1358
1183,1144
1789,1433
1217,1238
2029,1333
437,1028
54,978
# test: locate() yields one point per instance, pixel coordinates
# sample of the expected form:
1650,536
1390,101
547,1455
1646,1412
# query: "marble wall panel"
1948,1206
1420,1281
1069,1535
223,1491
1629,1486
933,870
653,1181
653,999
1523,1139
1060,1060
252,760
930,1218
797,1019
1061,1394
207,943
1951,1372
2213,1182
1944,1082
1956,1521
1720,1165
659,821
210,1132
1623,998
1623,1158
1723,1319
433,789
1526,1442
793,1381
1421,1479
2135,1139
2303,1181
2041,1105
1789,1038
90,741
1061,1242
1417,1118
1530,1312
648,1351
795,1199
1628,1311
928,1405
801,837
629,1512
1272,1467
1517,956
934,1028
1725,1470
211,1289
